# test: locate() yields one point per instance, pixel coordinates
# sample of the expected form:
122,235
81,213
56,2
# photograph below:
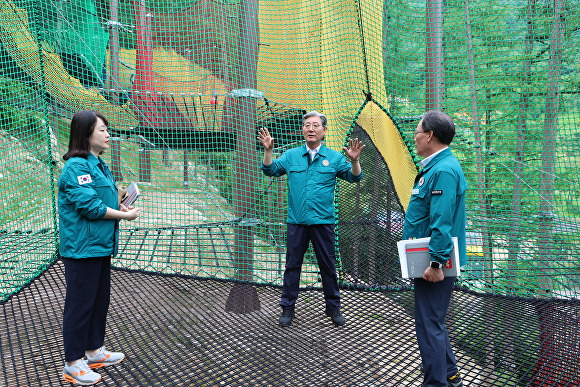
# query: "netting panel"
183,319
182,85
186,85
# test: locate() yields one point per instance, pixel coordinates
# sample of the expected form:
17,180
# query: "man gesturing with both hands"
312,170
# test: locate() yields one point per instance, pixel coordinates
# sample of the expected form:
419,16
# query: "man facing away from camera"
436,210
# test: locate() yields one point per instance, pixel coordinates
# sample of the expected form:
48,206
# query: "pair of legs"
431,303
297,240
88,289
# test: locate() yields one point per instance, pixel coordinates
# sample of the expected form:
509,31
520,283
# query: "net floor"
175,331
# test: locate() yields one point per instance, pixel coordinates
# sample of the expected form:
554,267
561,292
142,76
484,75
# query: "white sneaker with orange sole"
80,373
104,358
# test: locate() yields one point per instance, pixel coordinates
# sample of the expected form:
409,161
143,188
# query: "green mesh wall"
186,84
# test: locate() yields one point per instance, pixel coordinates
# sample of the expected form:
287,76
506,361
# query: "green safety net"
186,84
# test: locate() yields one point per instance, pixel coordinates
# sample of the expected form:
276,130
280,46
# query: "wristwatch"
436,265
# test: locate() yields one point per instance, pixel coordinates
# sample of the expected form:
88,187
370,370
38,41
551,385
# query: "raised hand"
266,139
354,149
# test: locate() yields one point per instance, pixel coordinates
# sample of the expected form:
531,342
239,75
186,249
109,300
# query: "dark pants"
88,290
297,240
431,303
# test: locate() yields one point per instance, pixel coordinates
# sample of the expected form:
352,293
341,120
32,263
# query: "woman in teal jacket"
89,215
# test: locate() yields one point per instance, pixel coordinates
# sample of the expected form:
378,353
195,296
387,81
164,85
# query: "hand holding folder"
414,258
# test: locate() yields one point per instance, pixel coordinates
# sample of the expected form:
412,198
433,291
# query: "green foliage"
504,38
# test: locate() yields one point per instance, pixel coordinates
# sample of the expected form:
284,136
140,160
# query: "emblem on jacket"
84,179
325,163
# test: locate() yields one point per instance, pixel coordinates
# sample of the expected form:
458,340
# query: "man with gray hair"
312,170
436,210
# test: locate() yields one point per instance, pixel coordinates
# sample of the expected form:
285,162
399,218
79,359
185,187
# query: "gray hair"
314,113
440,124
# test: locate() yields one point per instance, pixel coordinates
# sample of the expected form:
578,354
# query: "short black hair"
82,126
440,124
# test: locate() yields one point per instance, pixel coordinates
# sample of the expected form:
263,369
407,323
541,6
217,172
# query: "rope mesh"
175,331
185,86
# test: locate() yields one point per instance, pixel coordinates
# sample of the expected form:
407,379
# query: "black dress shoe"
337,317
286,317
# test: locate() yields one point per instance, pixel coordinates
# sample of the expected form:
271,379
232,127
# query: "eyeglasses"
419,131
315,126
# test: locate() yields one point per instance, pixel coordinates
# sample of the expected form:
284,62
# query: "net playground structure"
186,84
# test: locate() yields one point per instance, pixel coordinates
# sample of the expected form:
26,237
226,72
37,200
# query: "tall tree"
243,298
434,67
514,238
546,214
481,176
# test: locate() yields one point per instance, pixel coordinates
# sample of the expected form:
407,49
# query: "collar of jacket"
93,160
322,151
444,153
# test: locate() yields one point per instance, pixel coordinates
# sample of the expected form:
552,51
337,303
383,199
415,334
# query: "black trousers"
297,240
88,291
431,303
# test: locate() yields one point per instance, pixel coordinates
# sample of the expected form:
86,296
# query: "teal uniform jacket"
437,207
84,193
311,184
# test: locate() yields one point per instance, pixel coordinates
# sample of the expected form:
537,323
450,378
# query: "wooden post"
113,84
145,162
113,78
185,169
115,149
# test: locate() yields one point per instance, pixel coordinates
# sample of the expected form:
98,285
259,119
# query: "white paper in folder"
414,258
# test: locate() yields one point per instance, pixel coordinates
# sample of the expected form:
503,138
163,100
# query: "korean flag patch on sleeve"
84,179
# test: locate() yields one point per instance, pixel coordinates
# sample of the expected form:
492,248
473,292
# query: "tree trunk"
546,215
514,238
243,298
487,250
434,70
481,188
